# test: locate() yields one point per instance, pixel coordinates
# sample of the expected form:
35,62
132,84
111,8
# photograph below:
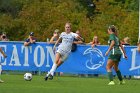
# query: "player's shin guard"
47,74
110,75
119,75
53,69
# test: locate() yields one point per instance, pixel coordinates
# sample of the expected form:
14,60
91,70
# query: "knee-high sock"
52,69
119,75
110,76
0,69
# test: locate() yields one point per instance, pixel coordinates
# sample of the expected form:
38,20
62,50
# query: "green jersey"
116,49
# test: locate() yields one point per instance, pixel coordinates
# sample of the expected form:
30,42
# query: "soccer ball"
28,76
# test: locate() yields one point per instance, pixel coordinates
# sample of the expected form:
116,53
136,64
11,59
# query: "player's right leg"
54,67
52,72
109,65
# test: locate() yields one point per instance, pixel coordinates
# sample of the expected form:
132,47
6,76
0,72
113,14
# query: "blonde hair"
68,23
126,39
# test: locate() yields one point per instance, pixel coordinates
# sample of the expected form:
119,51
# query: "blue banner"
40,57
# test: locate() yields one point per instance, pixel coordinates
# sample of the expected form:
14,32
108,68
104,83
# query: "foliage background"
92,17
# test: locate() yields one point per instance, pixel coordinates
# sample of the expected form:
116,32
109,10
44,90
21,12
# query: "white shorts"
64,54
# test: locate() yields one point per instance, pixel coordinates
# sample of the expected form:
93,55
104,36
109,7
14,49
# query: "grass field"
16,84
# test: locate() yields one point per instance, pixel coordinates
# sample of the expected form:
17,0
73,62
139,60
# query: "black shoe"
50,77
46,78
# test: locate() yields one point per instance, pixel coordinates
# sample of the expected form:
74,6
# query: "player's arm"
57,43
80,38
78,42
3,53
122,48
110,47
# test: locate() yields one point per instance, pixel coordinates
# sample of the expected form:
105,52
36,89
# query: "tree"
19,17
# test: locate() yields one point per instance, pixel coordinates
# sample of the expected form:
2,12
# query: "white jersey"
67,41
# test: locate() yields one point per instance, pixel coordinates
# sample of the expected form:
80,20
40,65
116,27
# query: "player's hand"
125,56
106,54
54,48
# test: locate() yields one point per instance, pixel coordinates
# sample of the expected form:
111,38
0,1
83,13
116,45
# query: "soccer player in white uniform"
64,49
1,81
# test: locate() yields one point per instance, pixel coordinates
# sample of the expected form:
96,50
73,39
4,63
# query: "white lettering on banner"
133,65
14,57
42,56
52,55
19,56
26,54
1,56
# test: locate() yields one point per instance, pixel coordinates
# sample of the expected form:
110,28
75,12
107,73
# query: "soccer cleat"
111,83
122,82
1,81
46,78
50,77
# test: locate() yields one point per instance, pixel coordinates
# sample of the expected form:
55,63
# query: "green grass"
16,84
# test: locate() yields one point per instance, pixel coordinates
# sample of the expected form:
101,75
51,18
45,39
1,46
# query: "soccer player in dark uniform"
114,56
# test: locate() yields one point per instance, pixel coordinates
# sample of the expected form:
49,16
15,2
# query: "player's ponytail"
112,28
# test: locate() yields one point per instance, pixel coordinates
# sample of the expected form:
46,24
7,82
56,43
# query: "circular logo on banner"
96,58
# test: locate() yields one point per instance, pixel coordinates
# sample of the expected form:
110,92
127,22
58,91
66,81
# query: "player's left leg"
59,60
109,66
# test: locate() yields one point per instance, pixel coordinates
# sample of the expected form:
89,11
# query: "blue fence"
40,57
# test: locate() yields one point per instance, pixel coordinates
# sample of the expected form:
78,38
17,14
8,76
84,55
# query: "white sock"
48,74
0,69
53,69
